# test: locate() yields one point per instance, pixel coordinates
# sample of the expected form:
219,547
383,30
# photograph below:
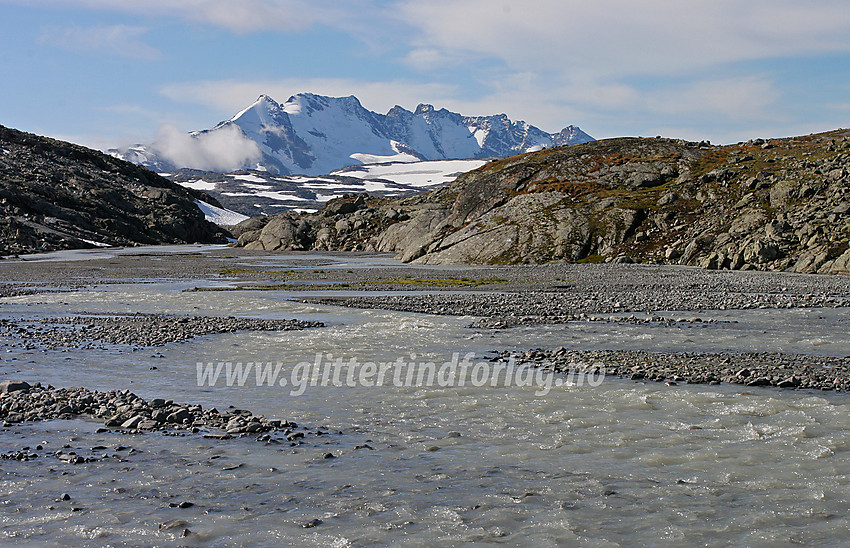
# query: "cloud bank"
224,150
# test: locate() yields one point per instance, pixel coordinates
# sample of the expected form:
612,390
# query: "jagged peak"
397,111
572,134
264,101
263,104
301,127
311,101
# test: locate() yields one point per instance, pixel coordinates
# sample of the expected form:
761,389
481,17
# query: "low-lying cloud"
225,149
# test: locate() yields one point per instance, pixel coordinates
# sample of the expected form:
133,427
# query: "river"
616,463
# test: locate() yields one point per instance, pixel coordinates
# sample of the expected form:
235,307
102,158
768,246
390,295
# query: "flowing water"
618,464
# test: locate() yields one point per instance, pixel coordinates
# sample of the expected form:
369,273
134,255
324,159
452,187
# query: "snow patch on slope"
375,159
219,215
198,184
243,193
249,178
419,174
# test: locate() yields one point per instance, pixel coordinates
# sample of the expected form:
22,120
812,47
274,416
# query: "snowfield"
199,184
220,216
255,193
419,174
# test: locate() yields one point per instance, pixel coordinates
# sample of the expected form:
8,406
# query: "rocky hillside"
55,195
770,205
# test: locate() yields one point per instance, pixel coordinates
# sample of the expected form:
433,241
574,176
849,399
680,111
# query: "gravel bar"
123,410
152,330
501,310
750,369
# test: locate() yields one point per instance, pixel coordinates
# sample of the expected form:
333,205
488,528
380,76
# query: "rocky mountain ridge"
780,204
56,195
314,135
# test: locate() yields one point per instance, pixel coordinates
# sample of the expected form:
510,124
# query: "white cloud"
123,40
747,97
225,149
620,66
612,66
623,37
426,58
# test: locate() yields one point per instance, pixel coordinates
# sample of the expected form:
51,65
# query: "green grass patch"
440,282
591,259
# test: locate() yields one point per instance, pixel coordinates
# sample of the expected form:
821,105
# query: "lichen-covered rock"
775,205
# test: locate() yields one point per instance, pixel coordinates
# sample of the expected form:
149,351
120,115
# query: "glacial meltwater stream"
618,464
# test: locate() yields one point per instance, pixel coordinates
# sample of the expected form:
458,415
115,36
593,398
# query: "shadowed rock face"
777,205
55,195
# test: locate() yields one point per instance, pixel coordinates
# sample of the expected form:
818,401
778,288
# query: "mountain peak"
314,134
397,111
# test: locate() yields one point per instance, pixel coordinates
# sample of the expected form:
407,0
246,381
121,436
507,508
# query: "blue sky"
113,72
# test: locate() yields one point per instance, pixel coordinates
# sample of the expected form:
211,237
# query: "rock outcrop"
769,205
56,195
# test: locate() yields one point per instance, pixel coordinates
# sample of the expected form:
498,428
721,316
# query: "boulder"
344,205
8,386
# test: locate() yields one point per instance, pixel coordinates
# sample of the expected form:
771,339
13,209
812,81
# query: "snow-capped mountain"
313,135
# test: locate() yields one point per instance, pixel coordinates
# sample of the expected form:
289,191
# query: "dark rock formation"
56,195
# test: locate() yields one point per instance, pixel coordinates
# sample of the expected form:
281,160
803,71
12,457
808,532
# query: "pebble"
183,504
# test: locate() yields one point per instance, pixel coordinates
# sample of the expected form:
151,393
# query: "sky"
107,73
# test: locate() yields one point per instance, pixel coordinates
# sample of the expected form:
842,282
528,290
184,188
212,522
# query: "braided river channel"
610,463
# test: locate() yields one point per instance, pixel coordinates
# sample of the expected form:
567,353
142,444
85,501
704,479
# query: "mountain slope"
56,195
253,192
782,204
314,135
